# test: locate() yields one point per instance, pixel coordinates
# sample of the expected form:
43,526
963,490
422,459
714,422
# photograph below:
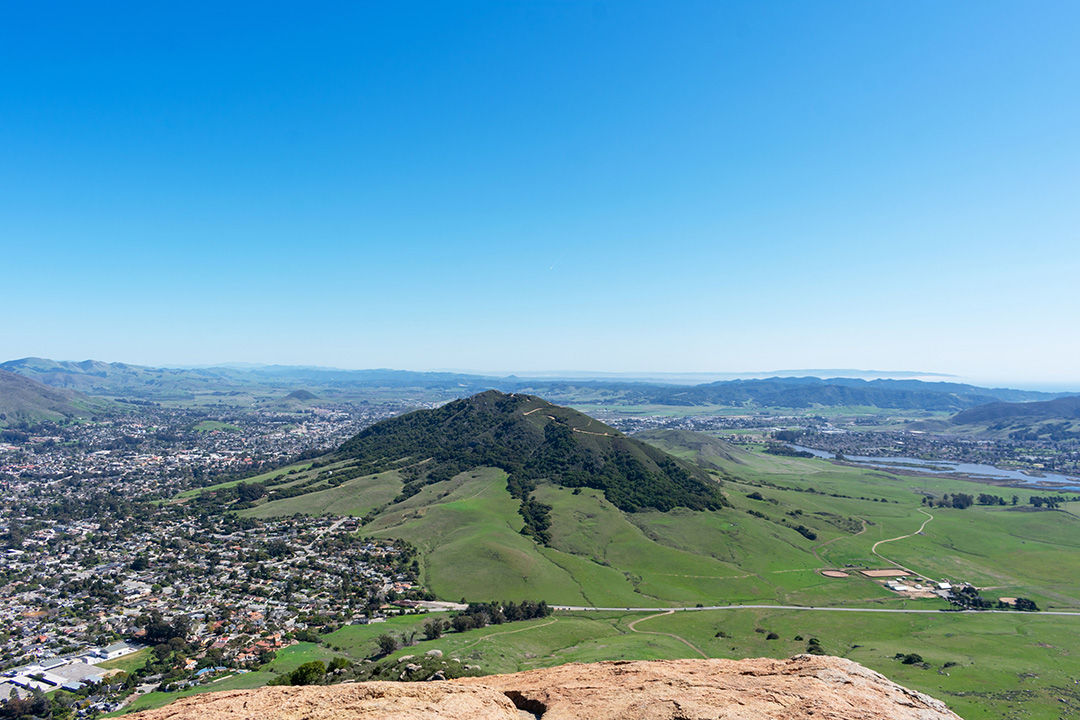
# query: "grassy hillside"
1004,666
467,530
26,400
696,447
1057,419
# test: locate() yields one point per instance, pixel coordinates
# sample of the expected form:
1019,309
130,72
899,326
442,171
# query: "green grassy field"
353,497
301,468
358,641
1000,666
127,663
241,681
292,657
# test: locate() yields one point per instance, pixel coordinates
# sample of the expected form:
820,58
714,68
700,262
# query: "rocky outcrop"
805,687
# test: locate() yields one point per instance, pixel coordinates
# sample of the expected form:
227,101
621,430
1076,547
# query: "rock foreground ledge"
806,687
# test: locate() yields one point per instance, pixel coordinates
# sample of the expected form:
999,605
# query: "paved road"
582,608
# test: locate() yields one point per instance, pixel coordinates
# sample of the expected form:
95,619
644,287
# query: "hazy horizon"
685,377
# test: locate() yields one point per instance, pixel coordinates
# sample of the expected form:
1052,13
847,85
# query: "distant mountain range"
135,381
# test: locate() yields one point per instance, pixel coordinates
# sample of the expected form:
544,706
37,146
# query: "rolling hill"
24,400
1057,419
697,447
1066,408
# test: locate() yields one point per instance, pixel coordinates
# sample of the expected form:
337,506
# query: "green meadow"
240,681
214,425
127,663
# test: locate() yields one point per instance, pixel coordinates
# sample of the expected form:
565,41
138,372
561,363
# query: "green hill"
25,400
1057,419
301,395
531,439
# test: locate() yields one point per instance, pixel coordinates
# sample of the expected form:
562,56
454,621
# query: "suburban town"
97,564
230,591
156,451
862,436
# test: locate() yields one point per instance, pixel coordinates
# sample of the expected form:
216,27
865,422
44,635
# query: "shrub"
387,643
311,673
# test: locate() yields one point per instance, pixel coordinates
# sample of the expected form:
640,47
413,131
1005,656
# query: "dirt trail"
814,550
586,432
505,632
874,548
552,417
683,640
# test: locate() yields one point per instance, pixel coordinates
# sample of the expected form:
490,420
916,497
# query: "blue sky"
618,186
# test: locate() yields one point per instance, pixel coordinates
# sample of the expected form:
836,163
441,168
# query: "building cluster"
70,672
157,449
238,585
854,437
1034,456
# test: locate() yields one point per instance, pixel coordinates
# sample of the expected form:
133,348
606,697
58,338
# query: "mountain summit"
531,439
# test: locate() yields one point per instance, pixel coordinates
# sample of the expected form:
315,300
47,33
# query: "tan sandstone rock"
806,687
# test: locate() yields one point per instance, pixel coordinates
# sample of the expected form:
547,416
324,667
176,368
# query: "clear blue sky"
711,186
